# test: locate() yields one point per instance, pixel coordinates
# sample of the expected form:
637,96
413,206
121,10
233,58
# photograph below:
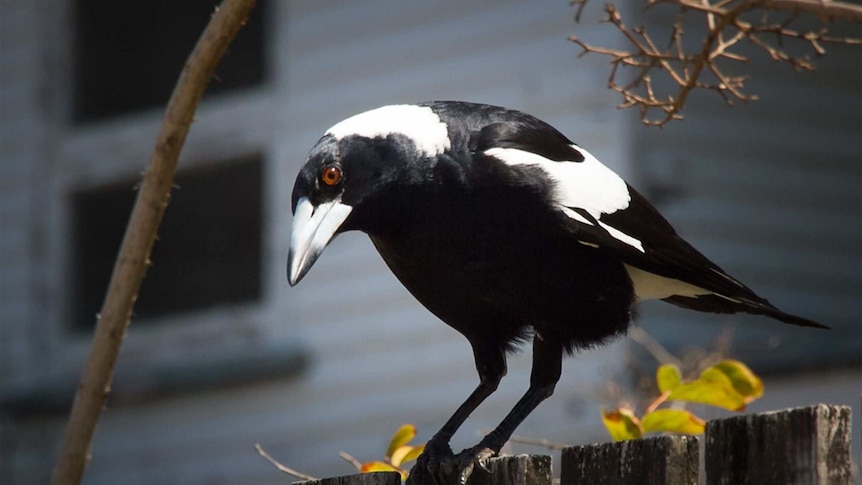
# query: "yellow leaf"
716,378
412,454
379,466
406,453
401,437
668,377
622,424
673,420
713,388
744,381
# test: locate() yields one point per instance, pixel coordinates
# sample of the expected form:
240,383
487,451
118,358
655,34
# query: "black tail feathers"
718,304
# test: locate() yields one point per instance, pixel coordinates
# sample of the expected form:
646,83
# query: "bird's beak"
313,228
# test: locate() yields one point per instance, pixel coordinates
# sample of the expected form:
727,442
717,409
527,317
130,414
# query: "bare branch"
581,4
656,349
826,10
349,459
707,67
550,445
281,467
137,244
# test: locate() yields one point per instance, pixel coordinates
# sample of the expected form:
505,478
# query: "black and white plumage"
503,228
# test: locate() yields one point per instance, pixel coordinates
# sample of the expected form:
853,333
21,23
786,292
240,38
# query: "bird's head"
350,175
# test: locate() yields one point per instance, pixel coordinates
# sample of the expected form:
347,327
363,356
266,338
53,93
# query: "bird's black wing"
603,211
599,208
665,253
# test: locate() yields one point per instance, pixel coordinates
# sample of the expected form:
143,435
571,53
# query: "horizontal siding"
378,358
19,151
461,51
179,434
770,191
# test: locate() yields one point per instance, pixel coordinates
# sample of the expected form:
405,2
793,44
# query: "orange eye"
331,175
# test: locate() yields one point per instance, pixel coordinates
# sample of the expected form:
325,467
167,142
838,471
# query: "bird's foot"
471,458
435,466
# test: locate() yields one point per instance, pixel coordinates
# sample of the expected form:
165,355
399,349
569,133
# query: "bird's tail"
713,303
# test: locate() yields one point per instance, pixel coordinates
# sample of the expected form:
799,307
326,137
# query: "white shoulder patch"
587,185
419,123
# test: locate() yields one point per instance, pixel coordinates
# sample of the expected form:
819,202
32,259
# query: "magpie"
507,231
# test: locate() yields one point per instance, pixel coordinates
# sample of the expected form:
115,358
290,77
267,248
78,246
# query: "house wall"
769,191
371,357
373,361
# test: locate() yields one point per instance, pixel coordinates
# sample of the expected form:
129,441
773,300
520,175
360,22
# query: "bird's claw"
437,465
471,458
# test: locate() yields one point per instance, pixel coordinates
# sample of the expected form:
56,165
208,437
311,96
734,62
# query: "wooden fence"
801,446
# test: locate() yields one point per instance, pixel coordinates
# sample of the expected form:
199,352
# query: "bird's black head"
350,175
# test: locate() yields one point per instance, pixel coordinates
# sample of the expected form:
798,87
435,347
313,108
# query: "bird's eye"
331,175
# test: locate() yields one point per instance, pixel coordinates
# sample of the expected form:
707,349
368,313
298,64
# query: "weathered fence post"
505,470
663,460
375,478
799,446
515,470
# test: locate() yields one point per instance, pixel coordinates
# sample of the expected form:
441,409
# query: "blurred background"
222,354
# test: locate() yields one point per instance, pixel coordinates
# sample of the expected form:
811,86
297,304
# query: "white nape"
419,123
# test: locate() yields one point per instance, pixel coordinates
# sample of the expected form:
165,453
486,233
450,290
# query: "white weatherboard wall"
771,192
377,358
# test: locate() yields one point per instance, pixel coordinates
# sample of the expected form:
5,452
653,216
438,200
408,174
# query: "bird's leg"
436,465
547,366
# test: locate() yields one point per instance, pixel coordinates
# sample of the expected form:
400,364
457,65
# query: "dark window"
128,55
208,252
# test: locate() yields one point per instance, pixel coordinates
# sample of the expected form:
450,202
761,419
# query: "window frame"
112,153
83,155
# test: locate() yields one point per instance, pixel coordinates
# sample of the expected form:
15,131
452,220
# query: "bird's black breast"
492,262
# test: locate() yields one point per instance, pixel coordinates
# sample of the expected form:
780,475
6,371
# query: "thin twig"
720,350
353,461
581,4
137,244
281,467
705,67
825,9
653,346
539,442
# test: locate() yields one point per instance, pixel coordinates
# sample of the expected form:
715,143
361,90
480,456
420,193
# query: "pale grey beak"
313,228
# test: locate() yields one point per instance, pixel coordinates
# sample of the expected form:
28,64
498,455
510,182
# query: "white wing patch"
419,123
649,286
587,185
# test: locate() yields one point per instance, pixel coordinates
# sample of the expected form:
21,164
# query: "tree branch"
281,467
133,258
706,67
827,10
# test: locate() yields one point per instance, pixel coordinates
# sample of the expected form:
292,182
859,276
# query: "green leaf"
401,437
674,421
622,424
713,387
668,377
379,466
744,381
